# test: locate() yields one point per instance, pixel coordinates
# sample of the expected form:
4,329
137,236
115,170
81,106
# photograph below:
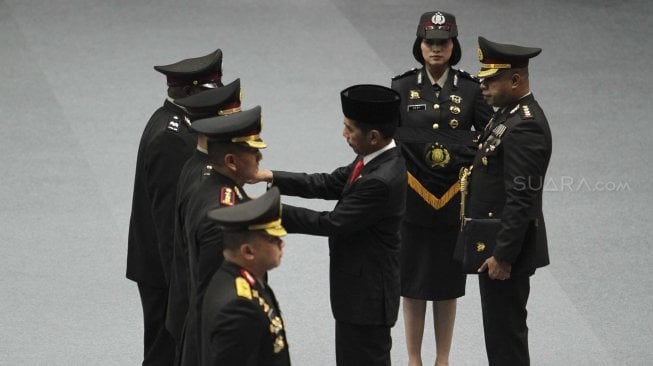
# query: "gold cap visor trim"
492,69
252,140
273,228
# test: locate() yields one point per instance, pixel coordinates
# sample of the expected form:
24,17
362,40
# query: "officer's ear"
247,251
229,161
374,137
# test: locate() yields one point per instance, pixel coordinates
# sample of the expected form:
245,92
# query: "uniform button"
489,214
436,126
436,106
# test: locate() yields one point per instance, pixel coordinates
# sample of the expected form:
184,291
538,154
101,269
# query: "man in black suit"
506,183
242,323
219,101
164,147
234,147
363,228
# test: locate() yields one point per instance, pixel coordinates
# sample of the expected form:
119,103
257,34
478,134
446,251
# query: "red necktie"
356,171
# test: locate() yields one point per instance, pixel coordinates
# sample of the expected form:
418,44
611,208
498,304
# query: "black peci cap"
240,127
373,104
194,71
437,25
497,57
263,213
213,102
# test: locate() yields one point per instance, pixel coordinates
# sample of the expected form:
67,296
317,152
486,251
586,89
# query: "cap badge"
414,94
437,156
456,99
438,18
479,53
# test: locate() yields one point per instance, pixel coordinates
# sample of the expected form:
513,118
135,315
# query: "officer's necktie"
437,90
356,171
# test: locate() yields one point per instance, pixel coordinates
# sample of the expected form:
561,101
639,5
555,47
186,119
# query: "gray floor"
77,86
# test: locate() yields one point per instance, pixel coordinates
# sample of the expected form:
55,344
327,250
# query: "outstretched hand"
262,175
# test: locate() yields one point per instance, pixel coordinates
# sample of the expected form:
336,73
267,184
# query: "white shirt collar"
369,157
441,81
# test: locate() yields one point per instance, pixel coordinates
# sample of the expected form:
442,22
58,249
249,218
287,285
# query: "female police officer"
440,106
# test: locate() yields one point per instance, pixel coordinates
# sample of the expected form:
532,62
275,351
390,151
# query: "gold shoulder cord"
464,188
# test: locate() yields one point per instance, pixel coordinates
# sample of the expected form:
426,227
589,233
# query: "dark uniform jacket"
507,180
194,171
436,140
165,146
363,231
242,324
204,239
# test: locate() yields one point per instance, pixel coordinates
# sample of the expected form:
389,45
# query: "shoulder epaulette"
467,75
409,72
525,112
243,288
173,125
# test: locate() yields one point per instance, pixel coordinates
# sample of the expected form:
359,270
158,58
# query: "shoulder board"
173,125
227,196
242,288
525,112
409,72
465,75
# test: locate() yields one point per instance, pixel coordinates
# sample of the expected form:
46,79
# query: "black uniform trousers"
504,319
362,344
159,346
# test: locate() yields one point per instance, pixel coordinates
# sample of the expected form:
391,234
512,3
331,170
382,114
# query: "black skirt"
428,270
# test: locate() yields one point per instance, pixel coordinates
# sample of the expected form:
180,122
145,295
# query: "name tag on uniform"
416,107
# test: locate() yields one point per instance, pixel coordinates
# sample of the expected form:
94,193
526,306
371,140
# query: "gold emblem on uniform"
484,160
414,94
279,344
454,109
437,156
243,289
456,99
436,106
479,53
480,246
453,123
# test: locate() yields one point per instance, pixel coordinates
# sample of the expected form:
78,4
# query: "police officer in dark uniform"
440,106
220,101
241,320
506,183
165,146
233,146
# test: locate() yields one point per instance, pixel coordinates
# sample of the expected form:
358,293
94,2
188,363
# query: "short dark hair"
219,149
234,239
456,53
386,129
